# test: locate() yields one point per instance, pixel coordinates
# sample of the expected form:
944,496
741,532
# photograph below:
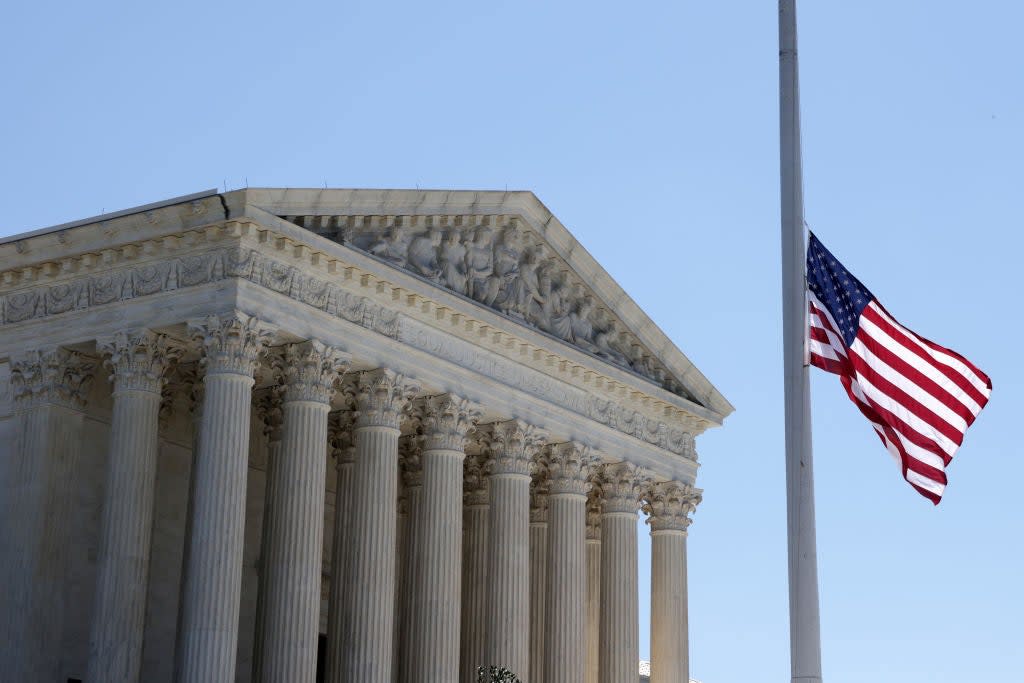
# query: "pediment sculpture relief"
507,269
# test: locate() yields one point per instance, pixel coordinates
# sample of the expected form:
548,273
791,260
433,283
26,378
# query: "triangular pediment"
507,252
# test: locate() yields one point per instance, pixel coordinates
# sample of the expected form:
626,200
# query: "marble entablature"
179,247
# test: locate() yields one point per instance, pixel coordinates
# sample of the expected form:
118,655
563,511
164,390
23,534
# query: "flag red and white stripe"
919,397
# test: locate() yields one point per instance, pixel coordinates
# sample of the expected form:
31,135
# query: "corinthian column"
50,389
538,568
511,445
475,587
270,413
368,616
622,484
295,536
593,636
209,624
410,502
435,597
139,360
569,466
343,450
668,505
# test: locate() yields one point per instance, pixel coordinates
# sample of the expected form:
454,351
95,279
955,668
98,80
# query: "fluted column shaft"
511,446
475,585
509,540
139,360
538,576
436,600
50,389
270,410
568,466
668,505
210,604
368,615
622,485
344,455
295,536
593,630
670,647
408,549
620,636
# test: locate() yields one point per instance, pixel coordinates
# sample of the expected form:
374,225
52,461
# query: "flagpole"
804,623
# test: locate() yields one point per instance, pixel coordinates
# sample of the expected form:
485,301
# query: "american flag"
920,397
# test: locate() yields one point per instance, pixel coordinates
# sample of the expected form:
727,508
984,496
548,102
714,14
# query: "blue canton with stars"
836,287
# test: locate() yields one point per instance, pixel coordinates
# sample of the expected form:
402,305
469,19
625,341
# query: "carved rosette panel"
669,504
511,446
231,343
569,467
474,480
594,511
340,437
622,486
311,371
52,376
139,359
498,264
446,421
540,486
382,396
410,460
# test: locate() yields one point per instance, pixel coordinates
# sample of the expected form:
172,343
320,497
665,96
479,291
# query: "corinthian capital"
668,505
232,343
139,359
540,486
622,485
311,371
511,446
381,396
54,376
410,460
269,411
569,467
340,437
446,421
474,480
594,512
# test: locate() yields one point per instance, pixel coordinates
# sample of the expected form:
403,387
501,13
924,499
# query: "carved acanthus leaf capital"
668,505
54,376
622,486
594,511
382,397
410,459
340,437
139,359
511,445
474,480
446,421
569,467
232,343
269,411
540,486
311,370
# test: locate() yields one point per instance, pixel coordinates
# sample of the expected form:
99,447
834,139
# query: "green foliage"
495,674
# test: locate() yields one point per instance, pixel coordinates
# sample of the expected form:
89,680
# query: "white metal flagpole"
804,623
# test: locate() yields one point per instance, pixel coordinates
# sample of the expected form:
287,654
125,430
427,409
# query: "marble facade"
409,432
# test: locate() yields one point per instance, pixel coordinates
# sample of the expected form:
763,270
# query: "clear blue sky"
651,130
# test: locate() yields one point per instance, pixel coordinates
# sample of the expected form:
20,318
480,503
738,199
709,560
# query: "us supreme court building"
358,436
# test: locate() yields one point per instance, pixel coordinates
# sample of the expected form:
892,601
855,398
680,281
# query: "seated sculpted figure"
453,262
480,267
423,254
389,246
